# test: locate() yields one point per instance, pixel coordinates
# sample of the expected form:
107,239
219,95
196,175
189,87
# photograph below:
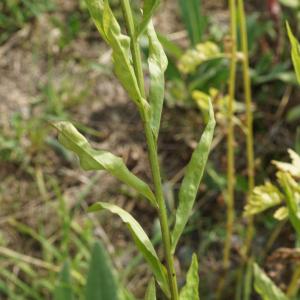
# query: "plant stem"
249,119
152,153
134,45
162,211
230,138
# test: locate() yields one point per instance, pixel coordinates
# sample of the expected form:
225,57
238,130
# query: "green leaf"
151,291
263,197
293,168
292,197
148,10
265,287
110,31
191,289
158,63
193,20
63,289
91,159
192,179
295,51
281,213
101,283
141,240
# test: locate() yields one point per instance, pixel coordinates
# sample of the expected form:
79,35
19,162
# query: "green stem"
134,45
249,119
230,137
152,153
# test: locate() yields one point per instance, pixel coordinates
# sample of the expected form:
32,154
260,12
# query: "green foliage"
263,198
295,51
269,195
193,20
110,31
151,292
101,283
193,175
148,10
14,14
191,289
193,58
63,290
141,240
265,287
91,159
157,62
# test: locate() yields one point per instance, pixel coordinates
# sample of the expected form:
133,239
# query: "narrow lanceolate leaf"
192,179
101,283
91,159
63,289
148,10
295,51
158,63
151,291
265,287
141,240
191,289
110,31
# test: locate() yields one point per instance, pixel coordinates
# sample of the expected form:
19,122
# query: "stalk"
249,119
152,153
246,251
230,149
230,137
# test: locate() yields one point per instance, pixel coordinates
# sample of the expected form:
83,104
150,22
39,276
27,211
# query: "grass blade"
194,22
63,290
101,283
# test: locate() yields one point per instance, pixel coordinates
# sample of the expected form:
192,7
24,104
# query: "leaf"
151,291
265,287
91,159
101,283
193,20
191,289
141,240
148,10
158,63
295,51
292,197
292,168
263,197
281,213
63,289
290,3
110,31
193,175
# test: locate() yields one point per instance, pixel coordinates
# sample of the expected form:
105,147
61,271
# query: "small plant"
127,62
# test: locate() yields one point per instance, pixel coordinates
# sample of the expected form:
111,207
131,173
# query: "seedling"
128,68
